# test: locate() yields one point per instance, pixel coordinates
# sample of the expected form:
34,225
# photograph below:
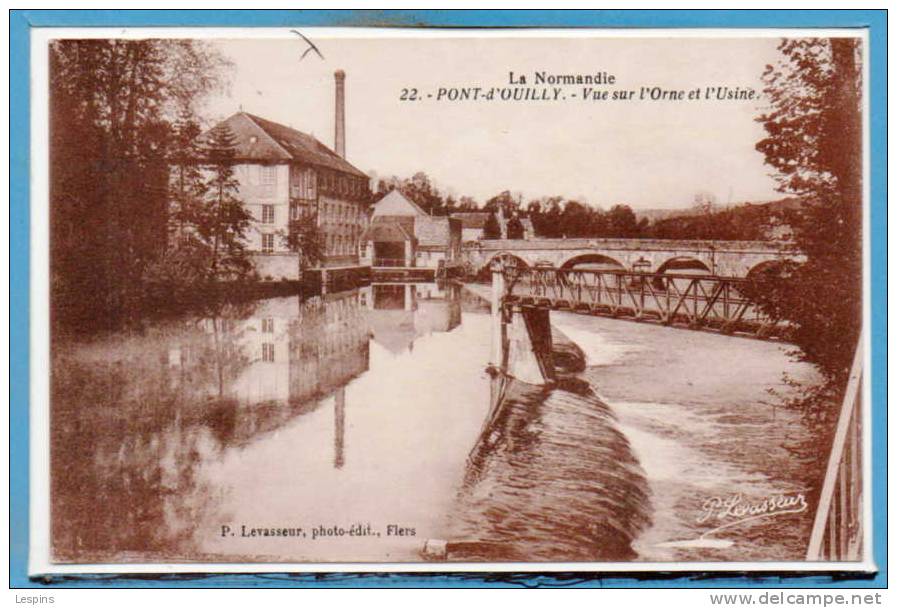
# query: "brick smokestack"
339,134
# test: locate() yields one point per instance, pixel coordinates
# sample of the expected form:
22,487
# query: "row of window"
336,243
339,211
341,244
332,211
340,183
305,181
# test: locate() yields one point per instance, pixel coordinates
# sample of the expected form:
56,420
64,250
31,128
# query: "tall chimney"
339,136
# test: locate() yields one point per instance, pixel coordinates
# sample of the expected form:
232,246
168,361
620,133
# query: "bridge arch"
595,261
765,269
765,274
684,265
679,265
506,255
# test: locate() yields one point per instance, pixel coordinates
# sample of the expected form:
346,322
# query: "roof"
405,221
394,201
436,231
472,219
388,232
263,140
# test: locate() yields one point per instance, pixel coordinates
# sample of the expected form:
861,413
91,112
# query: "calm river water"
338,428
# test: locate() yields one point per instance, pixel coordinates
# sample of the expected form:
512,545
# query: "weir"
538,408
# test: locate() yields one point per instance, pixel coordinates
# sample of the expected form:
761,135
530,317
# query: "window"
268,243
269,180
304,183
268,352
294,211
267,214
268,325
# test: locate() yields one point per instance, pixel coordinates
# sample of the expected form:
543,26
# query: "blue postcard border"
21,22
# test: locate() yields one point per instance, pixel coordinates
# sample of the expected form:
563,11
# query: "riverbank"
696,409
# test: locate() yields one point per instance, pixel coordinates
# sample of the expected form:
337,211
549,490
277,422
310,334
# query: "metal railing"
837,533
696,301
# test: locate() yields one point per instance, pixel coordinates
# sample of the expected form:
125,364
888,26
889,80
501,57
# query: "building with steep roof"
285,174
402,234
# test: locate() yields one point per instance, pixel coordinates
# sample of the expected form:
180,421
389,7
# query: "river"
339,428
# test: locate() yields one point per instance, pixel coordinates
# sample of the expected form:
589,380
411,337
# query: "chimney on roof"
339,136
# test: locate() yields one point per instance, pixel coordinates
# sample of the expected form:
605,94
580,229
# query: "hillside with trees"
558,217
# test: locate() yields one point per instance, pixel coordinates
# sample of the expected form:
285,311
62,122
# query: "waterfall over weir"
552,478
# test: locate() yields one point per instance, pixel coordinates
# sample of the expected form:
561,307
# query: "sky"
647,154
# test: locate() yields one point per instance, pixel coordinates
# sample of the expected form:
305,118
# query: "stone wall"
724,258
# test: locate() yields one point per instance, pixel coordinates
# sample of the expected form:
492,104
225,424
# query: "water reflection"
401,313
280,361
143,424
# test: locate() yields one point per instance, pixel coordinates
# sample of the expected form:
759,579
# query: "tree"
575,219
491,229
515,228
622,222
305,237
113,109
466,203
223,222
813,141
503,201
187,187
548,223
421,190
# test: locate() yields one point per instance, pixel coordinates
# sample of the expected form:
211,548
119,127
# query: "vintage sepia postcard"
408,300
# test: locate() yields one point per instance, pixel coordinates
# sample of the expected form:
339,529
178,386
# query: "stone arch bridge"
722,258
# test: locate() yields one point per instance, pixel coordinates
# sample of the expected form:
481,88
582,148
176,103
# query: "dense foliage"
557,217
814,143
492,229
305,236
120,112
